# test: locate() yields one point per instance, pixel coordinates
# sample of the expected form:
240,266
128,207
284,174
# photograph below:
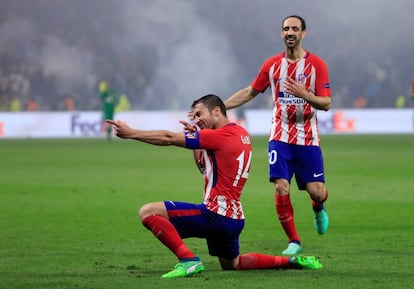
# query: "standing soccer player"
225,163
109,101
299,85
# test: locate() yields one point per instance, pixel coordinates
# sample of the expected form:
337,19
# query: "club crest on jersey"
302,77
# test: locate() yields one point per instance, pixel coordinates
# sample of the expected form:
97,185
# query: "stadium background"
68,206
162,53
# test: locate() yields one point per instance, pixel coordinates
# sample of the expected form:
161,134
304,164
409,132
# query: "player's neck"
295,54
222,122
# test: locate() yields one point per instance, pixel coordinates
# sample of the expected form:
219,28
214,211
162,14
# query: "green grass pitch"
68,216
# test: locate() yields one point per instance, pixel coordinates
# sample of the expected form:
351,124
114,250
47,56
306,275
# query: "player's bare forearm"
319,102
159,137
240,97
154,137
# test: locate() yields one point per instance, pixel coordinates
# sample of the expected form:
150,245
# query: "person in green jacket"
109,100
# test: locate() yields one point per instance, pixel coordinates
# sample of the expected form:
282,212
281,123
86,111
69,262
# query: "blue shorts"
221,233
305,162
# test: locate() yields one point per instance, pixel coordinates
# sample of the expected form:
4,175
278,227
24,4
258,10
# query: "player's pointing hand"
122,129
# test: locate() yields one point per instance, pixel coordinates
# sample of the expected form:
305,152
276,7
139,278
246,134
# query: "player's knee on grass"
228,264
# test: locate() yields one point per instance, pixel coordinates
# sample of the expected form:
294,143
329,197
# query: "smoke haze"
163,54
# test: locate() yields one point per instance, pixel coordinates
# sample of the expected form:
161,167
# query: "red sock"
318,206
165,232
284,211
251,261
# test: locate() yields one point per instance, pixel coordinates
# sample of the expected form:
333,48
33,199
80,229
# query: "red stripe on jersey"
183,213
292,133
308,127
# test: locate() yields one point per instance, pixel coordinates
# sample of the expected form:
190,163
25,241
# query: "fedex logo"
336,122
85,127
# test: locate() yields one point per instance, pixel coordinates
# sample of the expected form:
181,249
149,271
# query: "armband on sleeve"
192,140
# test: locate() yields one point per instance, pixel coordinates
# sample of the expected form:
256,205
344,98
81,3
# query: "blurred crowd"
54,61
53,54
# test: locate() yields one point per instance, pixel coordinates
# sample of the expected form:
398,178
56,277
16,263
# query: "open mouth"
290,41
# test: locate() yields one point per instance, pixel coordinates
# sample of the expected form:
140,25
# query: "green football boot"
185,269
321,221
305,262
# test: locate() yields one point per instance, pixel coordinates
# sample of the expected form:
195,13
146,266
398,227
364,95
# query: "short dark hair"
302,21
211,101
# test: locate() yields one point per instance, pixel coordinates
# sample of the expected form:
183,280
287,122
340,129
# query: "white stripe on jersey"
300,128
208,175
314,122
222,205
273,91
284,116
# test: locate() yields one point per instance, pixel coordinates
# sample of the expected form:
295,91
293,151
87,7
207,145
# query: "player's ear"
217,110
304,34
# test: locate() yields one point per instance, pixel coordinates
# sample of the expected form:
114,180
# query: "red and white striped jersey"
227,154
294,119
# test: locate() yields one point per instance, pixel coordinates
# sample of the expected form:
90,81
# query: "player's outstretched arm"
241,97
154,137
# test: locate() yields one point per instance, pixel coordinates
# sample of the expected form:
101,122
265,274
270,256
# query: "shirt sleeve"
209,139
192,140
322,85
261,81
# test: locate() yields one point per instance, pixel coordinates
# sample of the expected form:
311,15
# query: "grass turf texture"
68,216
